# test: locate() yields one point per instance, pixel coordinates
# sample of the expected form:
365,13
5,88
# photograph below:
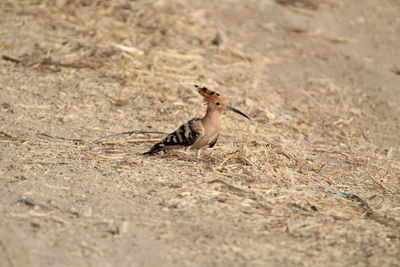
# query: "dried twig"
60,137
380,184
230,187
12,59
31,201
128,133
369,212
34,202
48,61
4,135
131,141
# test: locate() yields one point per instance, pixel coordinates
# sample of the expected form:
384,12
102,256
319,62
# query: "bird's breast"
209,136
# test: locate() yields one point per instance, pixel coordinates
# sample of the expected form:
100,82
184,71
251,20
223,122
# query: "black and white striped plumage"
185,136
198,133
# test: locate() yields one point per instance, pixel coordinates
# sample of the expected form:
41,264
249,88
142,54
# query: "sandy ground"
314,179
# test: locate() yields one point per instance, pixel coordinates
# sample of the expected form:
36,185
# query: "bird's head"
216,102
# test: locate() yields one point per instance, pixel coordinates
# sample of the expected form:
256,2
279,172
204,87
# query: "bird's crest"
210,94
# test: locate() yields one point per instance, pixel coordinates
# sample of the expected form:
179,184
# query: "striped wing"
184,136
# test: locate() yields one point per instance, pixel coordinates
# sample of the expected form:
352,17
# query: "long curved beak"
238,112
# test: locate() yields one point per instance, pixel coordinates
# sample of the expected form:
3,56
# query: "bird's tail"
155,149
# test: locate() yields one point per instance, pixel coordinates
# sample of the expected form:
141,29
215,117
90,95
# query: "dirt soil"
313,180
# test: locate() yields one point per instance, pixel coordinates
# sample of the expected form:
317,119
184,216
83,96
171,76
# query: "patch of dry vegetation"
300,171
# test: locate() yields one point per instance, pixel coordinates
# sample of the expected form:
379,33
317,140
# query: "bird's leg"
198,153
186,150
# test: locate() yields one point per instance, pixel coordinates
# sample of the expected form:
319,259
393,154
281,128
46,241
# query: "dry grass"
302,173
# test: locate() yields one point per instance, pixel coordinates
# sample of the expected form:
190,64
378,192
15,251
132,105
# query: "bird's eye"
217,103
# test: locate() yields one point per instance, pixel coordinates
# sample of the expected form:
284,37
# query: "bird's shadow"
185,156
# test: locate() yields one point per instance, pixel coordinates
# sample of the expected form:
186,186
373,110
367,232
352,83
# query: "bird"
198,133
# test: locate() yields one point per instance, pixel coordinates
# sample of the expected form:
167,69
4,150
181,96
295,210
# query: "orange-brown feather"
210,94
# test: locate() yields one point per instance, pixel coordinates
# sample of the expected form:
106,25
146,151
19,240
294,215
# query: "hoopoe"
198,132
